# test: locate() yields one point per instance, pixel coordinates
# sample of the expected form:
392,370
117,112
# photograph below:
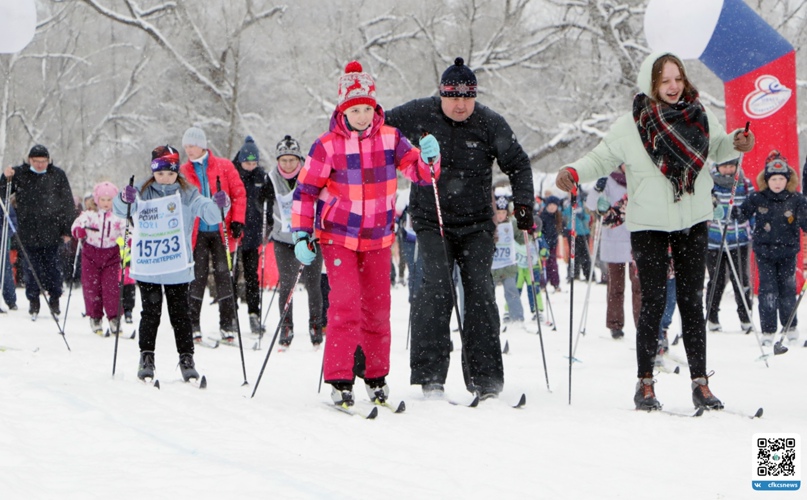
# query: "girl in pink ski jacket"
345,196
98,230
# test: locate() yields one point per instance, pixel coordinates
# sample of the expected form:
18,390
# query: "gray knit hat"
289,146
195,136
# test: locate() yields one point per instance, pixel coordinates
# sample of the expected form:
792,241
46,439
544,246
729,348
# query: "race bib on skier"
285,202
521,255
505,252
158,238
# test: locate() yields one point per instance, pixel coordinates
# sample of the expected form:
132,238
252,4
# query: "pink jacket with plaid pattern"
346,190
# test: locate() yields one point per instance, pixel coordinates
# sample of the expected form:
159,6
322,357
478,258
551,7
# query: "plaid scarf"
676,137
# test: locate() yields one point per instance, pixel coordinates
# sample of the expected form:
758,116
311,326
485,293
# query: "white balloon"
17,24
681,26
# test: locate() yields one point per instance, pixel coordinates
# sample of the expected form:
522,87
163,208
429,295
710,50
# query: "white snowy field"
68,430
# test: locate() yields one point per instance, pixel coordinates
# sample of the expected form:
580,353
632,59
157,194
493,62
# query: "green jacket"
650,195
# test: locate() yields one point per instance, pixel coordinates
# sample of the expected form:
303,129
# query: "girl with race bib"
290,161
163,209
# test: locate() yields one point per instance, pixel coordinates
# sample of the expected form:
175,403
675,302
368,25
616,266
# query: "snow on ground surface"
68,430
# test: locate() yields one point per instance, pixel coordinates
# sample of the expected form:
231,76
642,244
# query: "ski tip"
203,383
758,414
401,407
156,384
521,402
805,343
475,402
677,370
373,414
506,349
132,336
698,412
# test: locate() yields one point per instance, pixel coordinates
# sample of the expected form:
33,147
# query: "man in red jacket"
204,170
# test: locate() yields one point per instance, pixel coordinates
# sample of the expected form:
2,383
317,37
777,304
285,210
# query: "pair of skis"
198,383
351,410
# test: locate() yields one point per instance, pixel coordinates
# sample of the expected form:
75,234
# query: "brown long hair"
183,184
655,77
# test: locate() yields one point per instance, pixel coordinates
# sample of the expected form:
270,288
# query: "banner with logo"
158,237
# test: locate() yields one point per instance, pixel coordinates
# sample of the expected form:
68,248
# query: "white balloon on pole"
17,24
681,26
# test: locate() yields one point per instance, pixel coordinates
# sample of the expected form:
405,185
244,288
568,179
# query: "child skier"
162,261
100,258
346,193
283,179
779,212
505,269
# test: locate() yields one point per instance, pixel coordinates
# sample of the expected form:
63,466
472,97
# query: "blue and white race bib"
158,237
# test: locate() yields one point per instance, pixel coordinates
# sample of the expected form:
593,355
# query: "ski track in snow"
69,430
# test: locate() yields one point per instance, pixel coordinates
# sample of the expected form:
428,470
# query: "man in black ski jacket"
471,138
45,211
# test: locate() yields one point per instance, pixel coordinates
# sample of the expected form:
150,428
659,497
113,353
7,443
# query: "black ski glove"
236,228
524,219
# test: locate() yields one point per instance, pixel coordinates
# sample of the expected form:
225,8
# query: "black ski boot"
146,367
702,397
187,366
255,326
286,336
315,331
645,397
53,302
377,390
617,333
342,394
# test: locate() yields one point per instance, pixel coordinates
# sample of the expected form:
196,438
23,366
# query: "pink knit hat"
104,189
355,87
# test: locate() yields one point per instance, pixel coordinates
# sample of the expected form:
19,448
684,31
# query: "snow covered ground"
68,430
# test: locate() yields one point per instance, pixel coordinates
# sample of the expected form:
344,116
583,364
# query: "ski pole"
465,368
745,304
33,273
584,319
280,324
232,285
122,277
4,240
531,283
72,280
572,236
725,227
263,267
546,294
778,348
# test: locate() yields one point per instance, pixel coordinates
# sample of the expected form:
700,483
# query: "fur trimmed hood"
792,183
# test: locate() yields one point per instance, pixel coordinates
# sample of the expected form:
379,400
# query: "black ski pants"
777,291
433,305
151,297
209,244
689,259
250,260
738,255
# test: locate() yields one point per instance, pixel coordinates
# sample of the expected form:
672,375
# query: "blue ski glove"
603,205
305,249
429,148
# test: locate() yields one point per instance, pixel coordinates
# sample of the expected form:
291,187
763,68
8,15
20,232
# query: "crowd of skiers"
334,214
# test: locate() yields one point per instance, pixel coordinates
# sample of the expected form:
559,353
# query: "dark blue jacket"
258,187
779,216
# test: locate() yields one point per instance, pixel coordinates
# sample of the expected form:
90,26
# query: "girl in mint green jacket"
664,143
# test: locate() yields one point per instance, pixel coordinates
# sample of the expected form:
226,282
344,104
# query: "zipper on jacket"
363,194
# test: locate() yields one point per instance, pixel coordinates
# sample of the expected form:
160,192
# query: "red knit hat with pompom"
355,87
